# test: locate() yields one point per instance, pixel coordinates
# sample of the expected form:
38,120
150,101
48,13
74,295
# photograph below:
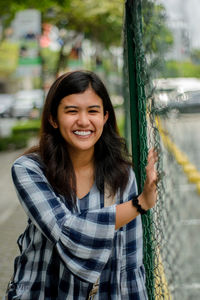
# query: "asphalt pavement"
184,131
12,219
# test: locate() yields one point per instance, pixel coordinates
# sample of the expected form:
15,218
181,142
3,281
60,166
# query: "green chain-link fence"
144,130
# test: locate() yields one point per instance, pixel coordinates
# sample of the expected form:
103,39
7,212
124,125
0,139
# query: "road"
185,242
8,200
12,219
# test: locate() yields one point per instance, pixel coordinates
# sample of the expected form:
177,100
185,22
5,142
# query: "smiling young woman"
80,119
73,239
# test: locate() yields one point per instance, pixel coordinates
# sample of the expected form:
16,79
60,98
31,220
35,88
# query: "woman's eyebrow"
94,106
76,107
70,106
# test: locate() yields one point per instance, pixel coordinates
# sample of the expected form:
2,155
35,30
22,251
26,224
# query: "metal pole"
134,58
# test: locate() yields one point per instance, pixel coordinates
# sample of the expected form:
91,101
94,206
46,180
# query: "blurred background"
40,41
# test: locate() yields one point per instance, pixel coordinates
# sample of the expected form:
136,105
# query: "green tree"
8,9
99,21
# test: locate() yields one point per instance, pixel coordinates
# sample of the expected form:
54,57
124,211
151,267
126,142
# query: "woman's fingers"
150,186
152,156
151,173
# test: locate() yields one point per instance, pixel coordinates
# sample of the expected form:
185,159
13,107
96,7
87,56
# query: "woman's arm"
126,212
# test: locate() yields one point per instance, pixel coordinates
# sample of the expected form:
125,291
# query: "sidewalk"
9,232
12,221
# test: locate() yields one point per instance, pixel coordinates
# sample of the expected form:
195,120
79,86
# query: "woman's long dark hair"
111,156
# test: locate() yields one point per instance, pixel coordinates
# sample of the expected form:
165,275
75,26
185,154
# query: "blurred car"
169,92
26,102
163,97
188,102
6,105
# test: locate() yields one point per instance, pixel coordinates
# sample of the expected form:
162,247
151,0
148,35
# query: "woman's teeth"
83,133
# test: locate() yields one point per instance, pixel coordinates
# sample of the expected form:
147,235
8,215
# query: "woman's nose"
83,119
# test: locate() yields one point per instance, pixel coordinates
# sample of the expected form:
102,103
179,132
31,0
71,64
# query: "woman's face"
80,119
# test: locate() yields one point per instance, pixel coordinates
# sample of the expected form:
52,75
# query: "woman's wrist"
139,205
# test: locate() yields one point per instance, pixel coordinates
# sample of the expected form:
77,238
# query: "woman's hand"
148,197
126,212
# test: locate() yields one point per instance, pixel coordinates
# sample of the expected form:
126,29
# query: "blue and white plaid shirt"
63,252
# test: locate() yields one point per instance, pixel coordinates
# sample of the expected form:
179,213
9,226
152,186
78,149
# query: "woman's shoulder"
30,161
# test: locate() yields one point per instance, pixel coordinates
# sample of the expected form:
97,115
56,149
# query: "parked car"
6,104
188,102
26,102
169,92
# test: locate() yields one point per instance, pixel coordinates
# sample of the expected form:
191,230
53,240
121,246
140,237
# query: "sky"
189,11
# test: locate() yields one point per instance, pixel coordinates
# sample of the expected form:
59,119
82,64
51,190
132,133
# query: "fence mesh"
166,254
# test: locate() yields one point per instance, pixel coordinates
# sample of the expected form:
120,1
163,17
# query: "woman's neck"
82,160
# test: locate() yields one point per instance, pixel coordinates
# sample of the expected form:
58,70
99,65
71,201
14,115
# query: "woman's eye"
72,111
93,111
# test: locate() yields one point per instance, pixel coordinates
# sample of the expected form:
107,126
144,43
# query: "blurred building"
180,50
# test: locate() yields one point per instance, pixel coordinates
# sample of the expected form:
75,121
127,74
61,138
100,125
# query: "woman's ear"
106,117
52,122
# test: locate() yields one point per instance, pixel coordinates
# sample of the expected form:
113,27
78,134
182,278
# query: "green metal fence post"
134,64
134,115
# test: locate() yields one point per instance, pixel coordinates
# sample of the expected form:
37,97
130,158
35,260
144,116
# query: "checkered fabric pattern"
63,251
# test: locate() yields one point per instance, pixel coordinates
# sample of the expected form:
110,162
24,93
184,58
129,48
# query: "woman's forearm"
125,213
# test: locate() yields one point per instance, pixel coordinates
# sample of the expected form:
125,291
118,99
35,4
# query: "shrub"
31,126
21,133
14,142
181,69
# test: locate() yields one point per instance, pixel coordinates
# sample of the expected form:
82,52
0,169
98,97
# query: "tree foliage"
101,21
98,20
181,69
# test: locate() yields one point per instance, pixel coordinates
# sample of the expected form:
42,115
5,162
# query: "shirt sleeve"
132,269
83,240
